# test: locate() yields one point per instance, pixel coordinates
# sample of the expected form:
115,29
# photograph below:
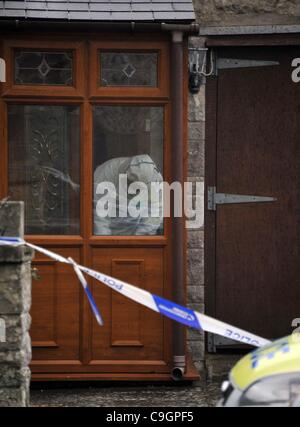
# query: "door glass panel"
128,69
44,68
44,166
128,141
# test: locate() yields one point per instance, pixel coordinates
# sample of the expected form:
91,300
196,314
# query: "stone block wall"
195,255
15,302
247,12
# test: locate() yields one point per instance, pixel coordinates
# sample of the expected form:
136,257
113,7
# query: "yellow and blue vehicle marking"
279,357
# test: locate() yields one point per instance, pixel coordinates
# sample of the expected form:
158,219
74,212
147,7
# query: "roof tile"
101,10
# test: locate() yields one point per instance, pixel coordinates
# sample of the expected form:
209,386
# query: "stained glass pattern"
44,68
128,69
44,166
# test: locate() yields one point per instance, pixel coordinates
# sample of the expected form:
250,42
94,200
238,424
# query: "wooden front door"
253,251
75,112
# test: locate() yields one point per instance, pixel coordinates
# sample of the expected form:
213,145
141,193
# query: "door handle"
214,198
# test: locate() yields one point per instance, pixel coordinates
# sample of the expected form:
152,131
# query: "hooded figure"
138,169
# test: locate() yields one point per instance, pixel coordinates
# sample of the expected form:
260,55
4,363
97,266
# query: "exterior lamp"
197,68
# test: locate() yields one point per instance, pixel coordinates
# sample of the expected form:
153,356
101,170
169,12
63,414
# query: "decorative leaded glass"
44,166
44,68
128,69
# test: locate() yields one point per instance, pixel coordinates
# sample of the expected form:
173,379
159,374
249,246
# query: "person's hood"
143,169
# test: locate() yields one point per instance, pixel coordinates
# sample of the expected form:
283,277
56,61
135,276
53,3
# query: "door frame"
85,99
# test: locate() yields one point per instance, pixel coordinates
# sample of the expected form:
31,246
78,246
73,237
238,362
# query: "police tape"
156,303
87,291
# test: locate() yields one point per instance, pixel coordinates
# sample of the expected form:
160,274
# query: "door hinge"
231,63
216,341
214,198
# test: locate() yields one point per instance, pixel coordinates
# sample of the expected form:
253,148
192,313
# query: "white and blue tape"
87,291
176,312
161,305
12,241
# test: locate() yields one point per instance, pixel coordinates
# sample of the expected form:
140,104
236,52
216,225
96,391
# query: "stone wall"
195,276
15,302
247,12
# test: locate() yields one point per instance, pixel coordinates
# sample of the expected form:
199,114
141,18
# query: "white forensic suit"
138,169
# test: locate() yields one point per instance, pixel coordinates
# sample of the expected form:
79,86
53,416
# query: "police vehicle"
269,376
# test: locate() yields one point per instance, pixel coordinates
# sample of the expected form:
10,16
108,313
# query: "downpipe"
178,370
179,347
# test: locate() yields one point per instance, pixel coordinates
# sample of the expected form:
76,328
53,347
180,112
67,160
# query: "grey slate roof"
99,10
